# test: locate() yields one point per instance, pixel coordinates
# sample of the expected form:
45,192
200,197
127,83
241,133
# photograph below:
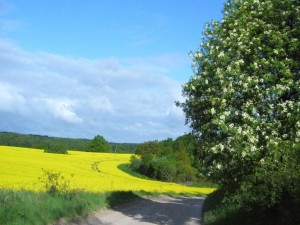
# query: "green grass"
216,213
200,183
25,207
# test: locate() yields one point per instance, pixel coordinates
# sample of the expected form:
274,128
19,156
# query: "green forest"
170,160
59,144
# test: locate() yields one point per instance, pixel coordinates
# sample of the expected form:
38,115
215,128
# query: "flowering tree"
243,101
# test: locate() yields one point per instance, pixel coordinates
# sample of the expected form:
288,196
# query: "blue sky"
75,68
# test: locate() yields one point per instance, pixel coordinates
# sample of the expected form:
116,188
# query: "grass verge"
26,207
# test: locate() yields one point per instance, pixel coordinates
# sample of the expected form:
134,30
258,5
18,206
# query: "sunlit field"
20,169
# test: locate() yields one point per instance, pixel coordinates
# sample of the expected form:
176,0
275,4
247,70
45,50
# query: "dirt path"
151,210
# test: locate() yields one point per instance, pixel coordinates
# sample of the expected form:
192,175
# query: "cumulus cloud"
123,99
62,109
11,100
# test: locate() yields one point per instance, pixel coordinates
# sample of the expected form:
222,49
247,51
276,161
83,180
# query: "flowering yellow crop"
20,168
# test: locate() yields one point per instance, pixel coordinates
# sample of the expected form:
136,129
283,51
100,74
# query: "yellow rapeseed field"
20,169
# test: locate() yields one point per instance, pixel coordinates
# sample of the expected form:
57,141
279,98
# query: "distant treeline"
53,144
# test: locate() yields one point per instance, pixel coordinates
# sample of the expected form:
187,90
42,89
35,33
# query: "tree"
166,146
99,144
243,101
166,160
149,147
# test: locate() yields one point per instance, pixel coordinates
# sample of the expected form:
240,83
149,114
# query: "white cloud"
11,100
62,109
122,99
102,104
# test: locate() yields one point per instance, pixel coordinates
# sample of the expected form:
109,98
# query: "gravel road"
160,210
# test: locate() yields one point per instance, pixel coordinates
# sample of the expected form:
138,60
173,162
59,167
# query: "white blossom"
226,113
221,147
198,55
213,111
239,130
221,54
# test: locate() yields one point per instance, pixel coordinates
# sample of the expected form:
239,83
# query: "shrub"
135,163
55,182
165,169
274,188
58,149
185,172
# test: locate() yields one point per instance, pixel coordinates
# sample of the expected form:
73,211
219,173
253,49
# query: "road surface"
160,210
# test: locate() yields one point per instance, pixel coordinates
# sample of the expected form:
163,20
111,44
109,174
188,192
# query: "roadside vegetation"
243,106
57,202
166,160
171,160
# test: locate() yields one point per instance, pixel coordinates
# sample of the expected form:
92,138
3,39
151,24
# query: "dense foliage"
57,144
123,147
167,160
58,149
243,102
99,144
